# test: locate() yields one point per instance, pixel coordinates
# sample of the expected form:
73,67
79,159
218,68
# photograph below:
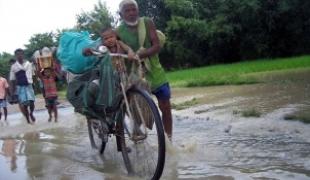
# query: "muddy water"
212,140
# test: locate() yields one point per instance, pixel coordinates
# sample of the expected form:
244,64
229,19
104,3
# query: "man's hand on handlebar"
132,56
102,50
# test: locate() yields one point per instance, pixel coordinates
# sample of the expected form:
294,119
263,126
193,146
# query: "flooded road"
212,139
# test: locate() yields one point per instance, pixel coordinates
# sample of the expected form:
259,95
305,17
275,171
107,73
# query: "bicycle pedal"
137,138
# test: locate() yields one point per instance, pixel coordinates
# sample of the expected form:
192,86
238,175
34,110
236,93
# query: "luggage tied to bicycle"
69,52
95,89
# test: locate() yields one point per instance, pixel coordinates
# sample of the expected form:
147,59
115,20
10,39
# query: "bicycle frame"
116,108
134,130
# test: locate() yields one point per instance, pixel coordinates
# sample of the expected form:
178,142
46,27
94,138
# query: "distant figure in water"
8,150
4,91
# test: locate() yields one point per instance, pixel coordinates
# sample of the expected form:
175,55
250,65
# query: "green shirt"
156,74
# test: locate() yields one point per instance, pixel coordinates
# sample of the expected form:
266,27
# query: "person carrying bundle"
47,75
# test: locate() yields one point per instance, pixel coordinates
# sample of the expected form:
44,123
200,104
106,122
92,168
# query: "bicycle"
130,120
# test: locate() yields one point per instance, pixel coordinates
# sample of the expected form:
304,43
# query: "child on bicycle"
47,76
110,40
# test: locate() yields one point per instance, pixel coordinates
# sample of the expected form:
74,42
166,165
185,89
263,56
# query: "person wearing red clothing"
47,77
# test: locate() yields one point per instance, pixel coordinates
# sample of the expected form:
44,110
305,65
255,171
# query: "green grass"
251,113
185,104
246,72
302,115
302,118
62,94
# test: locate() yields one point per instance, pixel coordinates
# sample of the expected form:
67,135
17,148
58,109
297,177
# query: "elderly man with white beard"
128,31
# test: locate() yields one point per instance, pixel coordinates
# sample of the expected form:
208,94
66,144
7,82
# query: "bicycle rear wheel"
143,140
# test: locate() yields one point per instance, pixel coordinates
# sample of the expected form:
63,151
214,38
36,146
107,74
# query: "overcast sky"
20,19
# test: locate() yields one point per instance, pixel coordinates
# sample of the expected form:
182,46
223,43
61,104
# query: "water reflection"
8,150
31,149
266,147
208,153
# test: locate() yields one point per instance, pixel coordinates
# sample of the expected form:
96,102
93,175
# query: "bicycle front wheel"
94,128
143,142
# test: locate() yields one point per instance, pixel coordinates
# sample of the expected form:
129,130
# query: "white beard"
131,23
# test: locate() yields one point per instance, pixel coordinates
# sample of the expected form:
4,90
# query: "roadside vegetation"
252,112
184,105
62,94
302,115
258,71
237,73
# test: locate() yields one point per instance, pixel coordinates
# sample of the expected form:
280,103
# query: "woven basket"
45,62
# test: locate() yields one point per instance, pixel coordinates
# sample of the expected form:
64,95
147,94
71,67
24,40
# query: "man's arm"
38,74
13,89
12,79
155,48
7,91
125,47
131,54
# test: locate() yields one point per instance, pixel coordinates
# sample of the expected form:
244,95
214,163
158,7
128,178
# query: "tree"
157,10
38,41
59,32
4,64
187,34
95,20
204,32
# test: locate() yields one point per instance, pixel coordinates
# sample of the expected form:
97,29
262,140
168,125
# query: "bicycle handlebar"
118,55
102,50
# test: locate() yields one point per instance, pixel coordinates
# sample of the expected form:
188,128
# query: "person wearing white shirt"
21,72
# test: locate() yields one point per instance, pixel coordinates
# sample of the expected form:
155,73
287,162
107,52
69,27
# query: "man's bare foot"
170,138
32,118
138,135
28,121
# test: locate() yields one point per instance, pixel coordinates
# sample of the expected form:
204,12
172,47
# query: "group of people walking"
19,87
23,71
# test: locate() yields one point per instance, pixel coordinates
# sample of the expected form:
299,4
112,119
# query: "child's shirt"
121,48
49,85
